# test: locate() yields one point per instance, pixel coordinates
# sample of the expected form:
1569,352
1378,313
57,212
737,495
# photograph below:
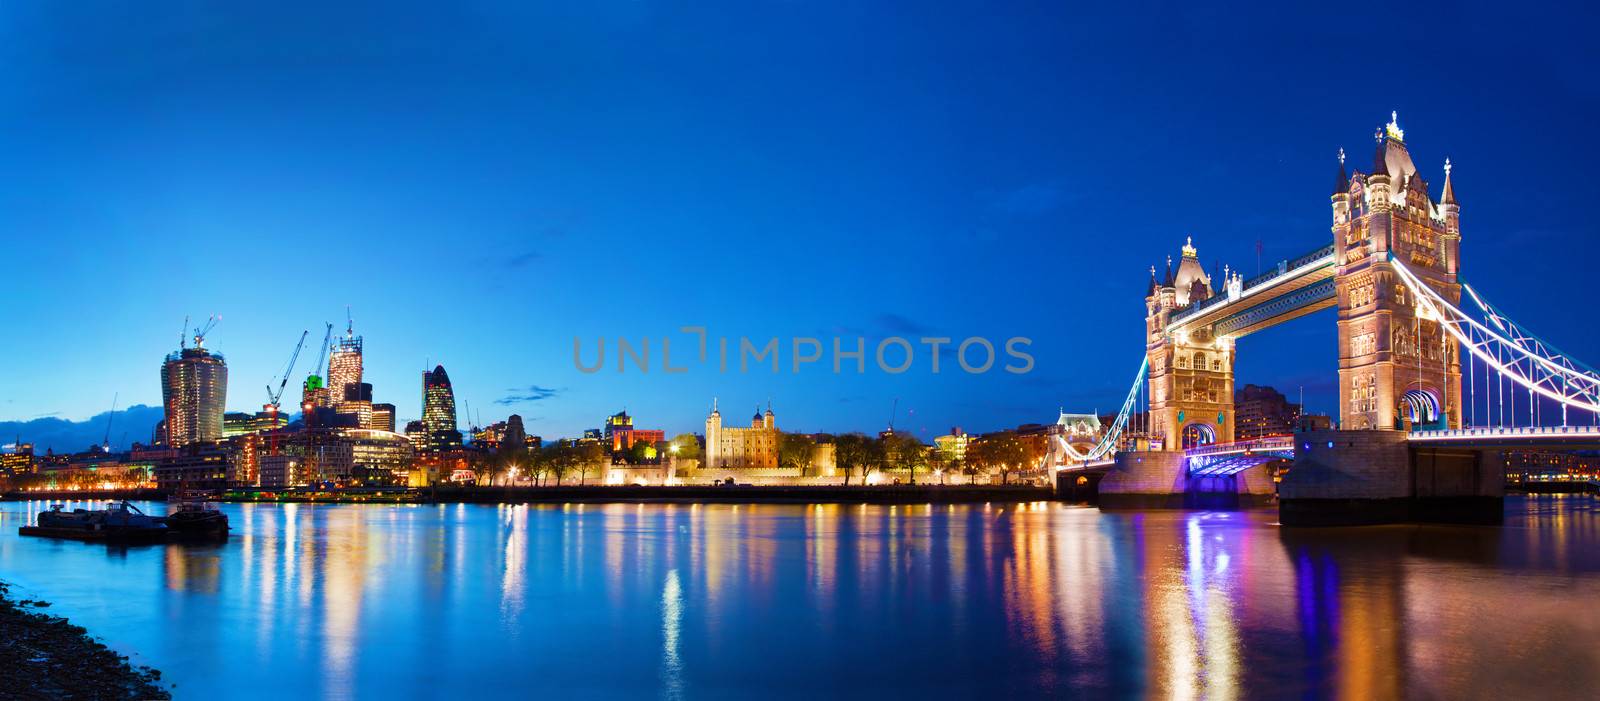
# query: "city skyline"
567,214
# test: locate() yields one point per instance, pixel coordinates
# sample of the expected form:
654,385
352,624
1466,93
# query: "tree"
585,457
685,446
850,453
641,452
484,467
794,450
939,464
902,451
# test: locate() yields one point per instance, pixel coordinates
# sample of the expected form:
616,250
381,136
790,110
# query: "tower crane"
274,395
313,380
200,332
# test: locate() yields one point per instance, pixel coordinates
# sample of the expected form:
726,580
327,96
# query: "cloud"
894,323
523,395
522,259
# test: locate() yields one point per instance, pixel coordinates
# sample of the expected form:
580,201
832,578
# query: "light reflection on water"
691,601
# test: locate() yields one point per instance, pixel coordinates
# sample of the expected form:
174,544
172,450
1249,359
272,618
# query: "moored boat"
120,521
195,518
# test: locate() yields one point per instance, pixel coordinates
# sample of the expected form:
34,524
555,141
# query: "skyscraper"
439,410
194,390
344,366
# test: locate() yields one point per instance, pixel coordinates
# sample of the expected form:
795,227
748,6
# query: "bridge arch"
1420,407
1198,434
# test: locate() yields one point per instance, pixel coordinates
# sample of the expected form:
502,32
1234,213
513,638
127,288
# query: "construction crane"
313,380
275,395
200,332
183,333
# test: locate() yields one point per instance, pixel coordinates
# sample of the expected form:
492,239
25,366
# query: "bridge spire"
1342,184
1449,196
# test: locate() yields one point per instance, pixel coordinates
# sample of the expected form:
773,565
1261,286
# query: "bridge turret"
1378,181
1341,196
1448,205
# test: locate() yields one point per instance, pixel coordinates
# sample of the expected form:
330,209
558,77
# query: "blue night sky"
481,183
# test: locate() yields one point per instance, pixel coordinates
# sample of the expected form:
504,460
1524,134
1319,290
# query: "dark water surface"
684,601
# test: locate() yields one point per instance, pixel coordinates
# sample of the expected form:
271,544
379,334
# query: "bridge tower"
1397,368
1191,372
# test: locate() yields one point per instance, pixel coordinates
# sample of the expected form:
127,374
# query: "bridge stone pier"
1367,477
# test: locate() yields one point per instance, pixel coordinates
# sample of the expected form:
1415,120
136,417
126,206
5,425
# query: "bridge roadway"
1568,437
1246,453
1294,287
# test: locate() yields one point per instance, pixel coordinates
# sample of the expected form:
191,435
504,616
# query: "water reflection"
682,601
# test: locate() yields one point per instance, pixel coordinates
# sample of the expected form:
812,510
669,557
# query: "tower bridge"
1430,387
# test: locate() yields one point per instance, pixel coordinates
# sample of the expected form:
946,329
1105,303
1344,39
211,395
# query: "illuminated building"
620,435
383,417
1263,411
313,394
238,423
619,421
17,461
439,410
357,401
200,466
953,447
417,433
363,456
344,367
753,447
194,389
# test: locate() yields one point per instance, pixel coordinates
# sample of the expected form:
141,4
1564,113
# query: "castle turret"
713,435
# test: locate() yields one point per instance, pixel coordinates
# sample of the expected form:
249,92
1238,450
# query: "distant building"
18,460
358,403
383,417
1315,422
953,446
1081,431
199,466
619,421
417,433
753,447
1263,411
620,435
439,410
194,390
238,423
362,456
1524,466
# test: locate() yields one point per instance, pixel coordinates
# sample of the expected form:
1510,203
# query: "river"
792,601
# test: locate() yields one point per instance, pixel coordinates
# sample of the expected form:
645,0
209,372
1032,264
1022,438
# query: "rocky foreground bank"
46,657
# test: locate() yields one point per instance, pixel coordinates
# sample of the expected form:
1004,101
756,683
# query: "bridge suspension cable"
1107,445
1515,355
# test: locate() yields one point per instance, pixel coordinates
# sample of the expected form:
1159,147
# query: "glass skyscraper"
439,410
194,390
